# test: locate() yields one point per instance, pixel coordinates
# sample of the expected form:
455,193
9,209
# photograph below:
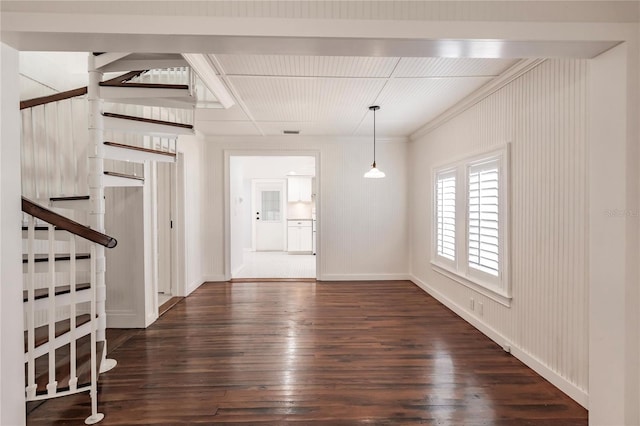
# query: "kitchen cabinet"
299,189
299,236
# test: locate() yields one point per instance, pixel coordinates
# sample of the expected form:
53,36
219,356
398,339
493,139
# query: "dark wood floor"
314,353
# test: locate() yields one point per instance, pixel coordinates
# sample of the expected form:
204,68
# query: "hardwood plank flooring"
382,353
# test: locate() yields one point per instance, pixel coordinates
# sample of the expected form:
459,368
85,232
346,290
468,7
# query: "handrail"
121,79
80,91
147,120
139,148
30,103
67,224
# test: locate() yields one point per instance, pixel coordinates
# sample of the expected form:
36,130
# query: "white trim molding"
520,68
365,277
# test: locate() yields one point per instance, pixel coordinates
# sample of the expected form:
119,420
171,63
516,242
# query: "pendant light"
374,173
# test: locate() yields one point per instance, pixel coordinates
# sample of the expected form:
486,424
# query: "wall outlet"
472,304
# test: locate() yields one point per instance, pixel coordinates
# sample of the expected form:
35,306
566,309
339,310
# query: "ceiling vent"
291,132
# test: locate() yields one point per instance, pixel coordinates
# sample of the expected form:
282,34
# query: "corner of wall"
12,397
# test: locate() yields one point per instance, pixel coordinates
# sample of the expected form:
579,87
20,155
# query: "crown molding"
520,68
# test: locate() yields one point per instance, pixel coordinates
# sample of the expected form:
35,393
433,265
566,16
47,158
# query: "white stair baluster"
51,318
31,367
73,344
95,417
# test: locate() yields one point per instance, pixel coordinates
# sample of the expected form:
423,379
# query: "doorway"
166,206
272,216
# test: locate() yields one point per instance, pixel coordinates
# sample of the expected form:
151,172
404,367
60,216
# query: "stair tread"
41,228
139,148
43,257
147,120
145,85
42,293
41,334
124,175
63,368
71,198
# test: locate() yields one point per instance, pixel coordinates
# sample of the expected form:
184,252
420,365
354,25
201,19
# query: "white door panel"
269,215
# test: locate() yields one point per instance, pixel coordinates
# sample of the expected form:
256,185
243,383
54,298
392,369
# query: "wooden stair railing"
124,175
72,198
67,224
141,149
122,81
30,103
73,93
147,120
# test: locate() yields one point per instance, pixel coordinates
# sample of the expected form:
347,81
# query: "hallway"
277,264
314,353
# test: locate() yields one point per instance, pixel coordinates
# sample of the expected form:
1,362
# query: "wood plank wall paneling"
543,114
54,150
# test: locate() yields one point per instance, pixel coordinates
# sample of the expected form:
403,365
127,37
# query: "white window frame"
498,287
438,172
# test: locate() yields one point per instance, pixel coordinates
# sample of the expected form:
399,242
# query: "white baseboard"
577,394
363,277
214,278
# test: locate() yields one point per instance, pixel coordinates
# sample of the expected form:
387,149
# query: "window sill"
472,283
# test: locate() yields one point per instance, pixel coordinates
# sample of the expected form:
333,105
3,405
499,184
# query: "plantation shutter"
483,235
446,214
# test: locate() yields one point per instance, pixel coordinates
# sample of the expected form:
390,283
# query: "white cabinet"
299,188
299,236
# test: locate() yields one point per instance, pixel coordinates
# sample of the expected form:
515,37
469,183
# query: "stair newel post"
96,221
96,194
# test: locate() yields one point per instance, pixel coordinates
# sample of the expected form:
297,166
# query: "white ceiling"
330,95
317,95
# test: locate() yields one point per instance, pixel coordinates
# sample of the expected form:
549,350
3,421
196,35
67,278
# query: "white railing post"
96,193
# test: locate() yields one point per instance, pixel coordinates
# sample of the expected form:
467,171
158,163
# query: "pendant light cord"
374,138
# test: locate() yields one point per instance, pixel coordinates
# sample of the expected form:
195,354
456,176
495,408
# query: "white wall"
362,223
239,201
192,185
543,113
11,349
613,184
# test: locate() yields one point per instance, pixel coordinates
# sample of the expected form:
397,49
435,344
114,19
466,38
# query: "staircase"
76,144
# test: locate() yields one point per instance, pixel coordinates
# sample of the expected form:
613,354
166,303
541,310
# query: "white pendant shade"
374,173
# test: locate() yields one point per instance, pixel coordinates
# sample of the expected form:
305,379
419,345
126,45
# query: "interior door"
165,179
268,215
